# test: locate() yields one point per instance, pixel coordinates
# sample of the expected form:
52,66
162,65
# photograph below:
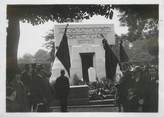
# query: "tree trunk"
13,33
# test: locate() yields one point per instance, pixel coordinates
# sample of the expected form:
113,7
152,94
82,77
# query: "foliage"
42,56
152,47
102,90
37,14
145,47
49,39
138,52
141,20
27,58
141,11
144,50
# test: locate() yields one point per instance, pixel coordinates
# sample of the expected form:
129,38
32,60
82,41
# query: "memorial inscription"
86,33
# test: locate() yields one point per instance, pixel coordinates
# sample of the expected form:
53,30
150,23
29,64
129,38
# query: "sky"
31,37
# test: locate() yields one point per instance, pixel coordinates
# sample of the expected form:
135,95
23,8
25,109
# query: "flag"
110,60
63,52
123,56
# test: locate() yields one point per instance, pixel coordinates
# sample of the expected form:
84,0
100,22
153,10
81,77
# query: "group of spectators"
138,89
31,91
33,82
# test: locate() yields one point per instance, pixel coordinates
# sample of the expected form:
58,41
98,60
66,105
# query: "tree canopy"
41,57
49,37
141,20
37,14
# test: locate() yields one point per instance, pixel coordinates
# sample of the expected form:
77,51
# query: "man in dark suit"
40,91
62,89
26,77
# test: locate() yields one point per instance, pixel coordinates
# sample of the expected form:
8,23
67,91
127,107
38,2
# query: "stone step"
105,101
85,108
85,101
72,101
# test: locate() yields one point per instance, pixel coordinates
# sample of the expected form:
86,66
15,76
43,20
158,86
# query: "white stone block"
92,74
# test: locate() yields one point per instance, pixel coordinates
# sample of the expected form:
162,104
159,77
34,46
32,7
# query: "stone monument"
86,49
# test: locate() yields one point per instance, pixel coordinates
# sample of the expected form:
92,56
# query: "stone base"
78,95
72,101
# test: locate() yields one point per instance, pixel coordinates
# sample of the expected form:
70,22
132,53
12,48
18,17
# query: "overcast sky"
31,37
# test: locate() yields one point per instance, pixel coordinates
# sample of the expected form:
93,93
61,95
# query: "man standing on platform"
62,89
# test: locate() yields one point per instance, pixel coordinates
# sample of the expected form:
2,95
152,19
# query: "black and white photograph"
82,58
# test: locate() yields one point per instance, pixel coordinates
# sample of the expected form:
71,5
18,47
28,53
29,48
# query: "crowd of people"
138,89
31,91
135,91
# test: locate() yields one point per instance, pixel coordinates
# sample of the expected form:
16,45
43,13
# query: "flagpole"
65,31
102,36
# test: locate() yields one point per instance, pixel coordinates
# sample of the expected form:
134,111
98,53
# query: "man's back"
26,79
62,86
40,87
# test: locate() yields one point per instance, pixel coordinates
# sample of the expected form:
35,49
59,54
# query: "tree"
138,53
141,20
42,56
49,39
37,14
13,31
26,59
145,50
152,48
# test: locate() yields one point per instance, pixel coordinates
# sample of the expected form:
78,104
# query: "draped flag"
63,52
110,60
123,56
